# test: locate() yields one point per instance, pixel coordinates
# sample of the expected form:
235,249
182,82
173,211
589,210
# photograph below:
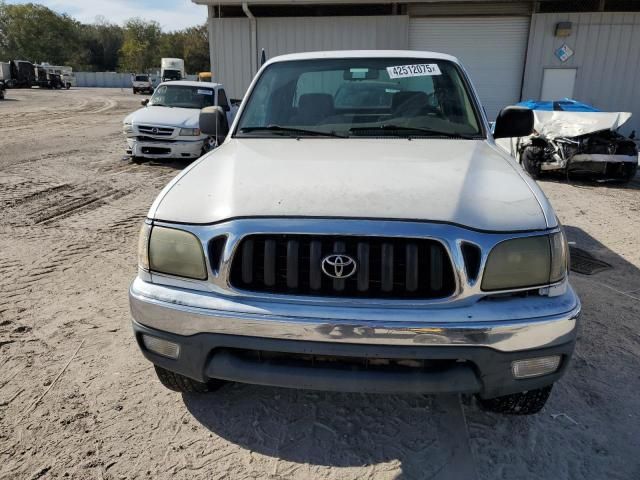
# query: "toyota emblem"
339,266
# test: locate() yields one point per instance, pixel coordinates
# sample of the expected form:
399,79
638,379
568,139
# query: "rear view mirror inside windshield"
360,74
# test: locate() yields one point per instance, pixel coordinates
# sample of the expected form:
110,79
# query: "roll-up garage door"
492,49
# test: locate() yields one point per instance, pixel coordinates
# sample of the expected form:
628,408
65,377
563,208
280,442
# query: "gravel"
70,210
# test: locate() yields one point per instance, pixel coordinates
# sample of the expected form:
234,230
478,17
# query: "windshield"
172,75
182,96
142,78
391,97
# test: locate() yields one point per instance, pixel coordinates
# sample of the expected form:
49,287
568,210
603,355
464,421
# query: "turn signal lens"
143,246
559,256
535,367
160,346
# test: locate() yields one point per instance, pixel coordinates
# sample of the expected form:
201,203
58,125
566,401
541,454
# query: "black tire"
524,403
68,86
135,91
530,160
629,173
180,383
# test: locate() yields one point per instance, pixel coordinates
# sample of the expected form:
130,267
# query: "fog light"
161,347
534,367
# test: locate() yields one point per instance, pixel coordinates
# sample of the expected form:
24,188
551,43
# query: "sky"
170,14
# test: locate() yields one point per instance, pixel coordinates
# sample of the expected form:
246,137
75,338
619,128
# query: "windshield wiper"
401,128
160,105
279,128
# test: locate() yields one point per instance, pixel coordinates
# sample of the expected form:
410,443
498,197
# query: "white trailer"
5,72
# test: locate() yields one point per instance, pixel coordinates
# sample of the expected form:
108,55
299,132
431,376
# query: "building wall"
607,59
231,54
304,34
231,47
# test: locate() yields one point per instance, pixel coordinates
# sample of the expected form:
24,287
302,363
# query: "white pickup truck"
168,124
358,230
142,83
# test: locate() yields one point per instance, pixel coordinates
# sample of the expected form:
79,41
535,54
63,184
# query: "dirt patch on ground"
70,210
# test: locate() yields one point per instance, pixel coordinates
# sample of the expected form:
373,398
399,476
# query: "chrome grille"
155,131
387,267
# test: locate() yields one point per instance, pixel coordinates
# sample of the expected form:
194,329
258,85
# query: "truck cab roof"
363,54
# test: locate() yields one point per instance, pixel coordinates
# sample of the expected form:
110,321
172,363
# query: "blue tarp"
564,105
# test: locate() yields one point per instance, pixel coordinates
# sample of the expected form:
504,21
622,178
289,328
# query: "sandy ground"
77,399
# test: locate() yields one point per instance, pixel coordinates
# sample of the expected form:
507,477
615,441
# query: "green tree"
36,33
190,44
103,41
140,47
196,49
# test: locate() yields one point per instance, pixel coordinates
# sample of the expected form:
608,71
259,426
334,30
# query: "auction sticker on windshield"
417,70
205,92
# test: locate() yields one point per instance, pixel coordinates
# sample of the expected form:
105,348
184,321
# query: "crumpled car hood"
171,117
572,124
464,182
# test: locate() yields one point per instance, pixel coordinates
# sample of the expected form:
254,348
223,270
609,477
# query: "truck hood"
465,182
171,117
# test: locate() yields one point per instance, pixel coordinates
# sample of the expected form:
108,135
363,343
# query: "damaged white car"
576,142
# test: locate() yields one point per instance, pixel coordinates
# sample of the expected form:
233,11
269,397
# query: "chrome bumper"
506,325
177,148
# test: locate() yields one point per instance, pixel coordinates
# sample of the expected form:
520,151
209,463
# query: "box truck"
172,69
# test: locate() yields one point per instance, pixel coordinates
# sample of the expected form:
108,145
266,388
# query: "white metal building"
508,46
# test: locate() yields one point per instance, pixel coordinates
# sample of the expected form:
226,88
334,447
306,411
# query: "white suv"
358,230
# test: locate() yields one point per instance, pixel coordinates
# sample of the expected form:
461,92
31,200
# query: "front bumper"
211,330
164,149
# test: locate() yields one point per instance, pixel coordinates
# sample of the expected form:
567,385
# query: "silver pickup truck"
358,230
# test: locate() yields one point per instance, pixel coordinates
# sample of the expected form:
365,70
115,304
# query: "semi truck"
172,69
22,74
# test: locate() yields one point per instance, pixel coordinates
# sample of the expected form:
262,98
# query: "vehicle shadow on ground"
585,181
313,430
173,163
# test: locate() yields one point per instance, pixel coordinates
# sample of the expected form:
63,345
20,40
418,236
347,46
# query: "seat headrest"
322,102
409,99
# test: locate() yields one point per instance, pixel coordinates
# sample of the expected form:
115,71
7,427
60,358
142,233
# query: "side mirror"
213,122
513,122
144,102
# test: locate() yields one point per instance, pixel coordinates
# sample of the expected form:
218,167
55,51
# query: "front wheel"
530,159
68,86
180,383
629,172
135,91
523,403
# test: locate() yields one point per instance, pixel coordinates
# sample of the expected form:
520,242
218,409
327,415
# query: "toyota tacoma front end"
358,230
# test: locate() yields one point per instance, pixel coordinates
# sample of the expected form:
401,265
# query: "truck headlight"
176,252
526,262
189,132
